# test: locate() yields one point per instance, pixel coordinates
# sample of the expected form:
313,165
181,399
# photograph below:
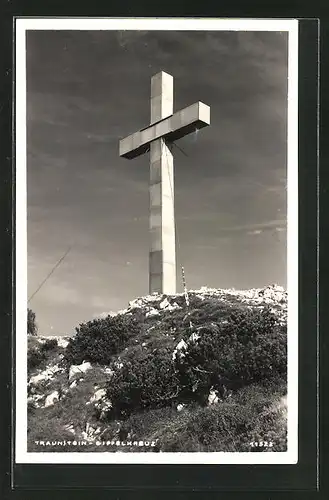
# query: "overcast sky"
85,91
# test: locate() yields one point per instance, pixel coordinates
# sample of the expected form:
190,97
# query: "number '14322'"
261,444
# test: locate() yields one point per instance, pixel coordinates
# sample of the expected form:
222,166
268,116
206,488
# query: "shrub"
49,345
34,358
210,310
249,346
98,340
32,328
146,382
230,426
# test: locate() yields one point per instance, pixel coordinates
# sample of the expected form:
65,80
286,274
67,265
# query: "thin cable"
180,149
49,274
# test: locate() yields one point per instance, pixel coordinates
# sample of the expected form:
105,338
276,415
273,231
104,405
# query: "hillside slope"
162,376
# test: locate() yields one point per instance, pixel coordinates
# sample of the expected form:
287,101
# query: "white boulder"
152,312
212,398
69,428
62,342
78,369
173,307
181,345
37,378
194,337
36,399
164,304
51,399
180,407
45,375
99,394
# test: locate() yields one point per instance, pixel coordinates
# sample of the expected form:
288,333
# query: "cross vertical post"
162,256
165,128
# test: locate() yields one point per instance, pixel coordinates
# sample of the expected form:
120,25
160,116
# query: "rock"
90,432
136,303
281,406
164,304
194,337
51,399
78,369
173,307
106,405
62,342
45,375
104,411
152,312
99,394
181,345
69,428
37,378
74,384
212,398
180,407
36,399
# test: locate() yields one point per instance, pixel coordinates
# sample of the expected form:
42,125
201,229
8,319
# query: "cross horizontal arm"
172,128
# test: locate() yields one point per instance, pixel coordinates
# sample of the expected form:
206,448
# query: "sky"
88,89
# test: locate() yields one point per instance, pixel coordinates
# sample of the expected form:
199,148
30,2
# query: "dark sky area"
88,89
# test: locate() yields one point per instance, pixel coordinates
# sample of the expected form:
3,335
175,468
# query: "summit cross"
165,128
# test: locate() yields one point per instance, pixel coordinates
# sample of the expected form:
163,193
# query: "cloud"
255,232
260,226
60,293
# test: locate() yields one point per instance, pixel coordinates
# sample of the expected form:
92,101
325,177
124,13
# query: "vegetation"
248,346
160,392
32,328
149,381
98,340
38,353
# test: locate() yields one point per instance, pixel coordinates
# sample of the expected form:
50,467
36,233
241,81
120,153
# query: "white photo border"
180,24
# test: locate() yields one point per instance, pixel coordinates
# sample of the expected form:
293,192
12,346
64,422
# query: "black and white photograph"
156,241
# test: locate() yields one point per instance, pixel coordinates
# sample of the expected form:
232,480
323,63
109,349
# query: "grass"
253,414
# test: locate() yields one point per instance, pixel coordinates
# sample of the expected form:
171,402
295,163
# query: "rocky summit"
202,372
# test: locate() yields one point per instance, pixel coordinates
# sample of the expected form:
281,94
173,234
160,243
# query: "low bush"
210,310
48,345
32,328
146,382
248,346
35,358
98,340
231,426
